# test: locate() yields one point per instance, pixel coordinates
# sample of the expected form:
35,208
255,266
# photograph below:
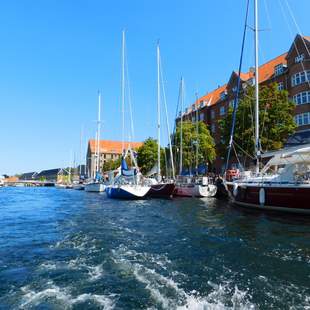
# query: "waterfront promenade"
65,249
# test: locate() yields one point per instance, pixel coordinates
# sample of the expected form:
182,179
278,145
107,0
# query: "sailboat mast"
81,146
181,126
197,139
257,143
96,158
98,131
123,91
158,113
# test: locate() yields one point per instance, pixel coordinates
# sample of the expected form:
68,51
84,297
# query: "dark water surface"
66,249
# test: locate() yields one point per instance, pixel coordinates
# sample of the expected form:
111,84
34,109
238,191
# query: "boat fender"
262,196
235,190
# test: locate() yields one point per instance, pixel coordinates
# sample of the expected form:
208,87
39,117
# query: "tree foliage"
111,164
190,138
147,156
275,120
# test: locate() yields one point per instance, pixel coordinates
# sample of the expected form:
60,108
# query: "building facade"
109,150
291,71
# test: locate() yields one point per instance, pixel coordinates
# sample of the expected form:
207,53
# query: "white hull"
60,185
95,187
127,191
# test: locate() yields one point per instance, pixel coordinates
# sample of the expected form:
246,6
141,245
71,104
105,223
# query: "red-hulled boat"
284,183
161,190
286,189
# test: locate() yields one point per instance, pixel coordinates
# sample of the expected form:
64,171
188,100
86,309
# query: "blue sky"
55,55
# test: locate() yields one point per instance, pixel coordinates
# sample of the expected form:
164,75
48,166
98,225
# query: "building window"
213,128
223,95
300,77
251,81
193,119
302,119
222,110
299,58
201,116
302,98
280,86
278,69
234,89
201,103
212,114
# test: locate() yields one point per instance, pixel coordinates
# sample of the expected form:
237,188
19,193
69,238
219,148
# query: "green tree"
111,164
147,156
190,138
276,120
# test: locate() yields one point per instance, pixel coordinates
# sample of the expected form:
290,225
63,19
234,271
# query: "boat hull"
94,187
127,192
195,190
79,187
288,198
164,190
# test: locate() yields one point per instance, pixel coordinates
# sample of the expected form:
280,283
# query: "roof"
11,179
50,172
212,97
27,175
113,147
298,138
298,37
265,71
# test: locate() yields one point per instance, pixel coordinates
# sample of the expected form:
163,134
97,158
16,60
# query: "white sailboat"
95,184
160,189
191,186
128,184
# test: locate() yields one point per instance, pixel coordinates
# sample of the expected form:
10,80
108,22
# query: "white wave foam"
168,293
95,272
32,298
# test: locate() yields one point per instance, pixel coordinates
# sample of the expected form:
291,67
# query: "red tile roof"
265,71
113,147
212,97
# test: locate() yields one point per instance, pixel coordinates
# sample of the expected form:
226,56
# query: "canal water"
67,249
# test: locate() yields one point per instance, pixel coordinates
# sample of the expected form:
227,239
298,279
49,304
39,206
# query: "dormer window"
278,69
201,103
223,95
234,89
299,58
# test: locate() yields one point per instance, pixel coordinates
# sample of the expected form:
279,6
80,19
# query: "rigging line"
297,26
131,137
237,157
267,14
292,35
167,121
238,86
263,127
252,119
244,151
177,109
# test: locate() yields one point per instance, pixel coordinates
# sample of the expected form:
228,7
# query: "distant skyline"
56,55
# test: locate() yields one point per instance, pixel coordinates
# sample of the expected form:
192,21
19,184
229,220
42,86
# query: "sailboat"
284,183
128,183
191,186
79,185
96,184
161,189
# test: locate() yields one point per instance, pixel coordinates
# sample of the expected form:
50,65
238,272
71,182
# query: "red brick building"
291,71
